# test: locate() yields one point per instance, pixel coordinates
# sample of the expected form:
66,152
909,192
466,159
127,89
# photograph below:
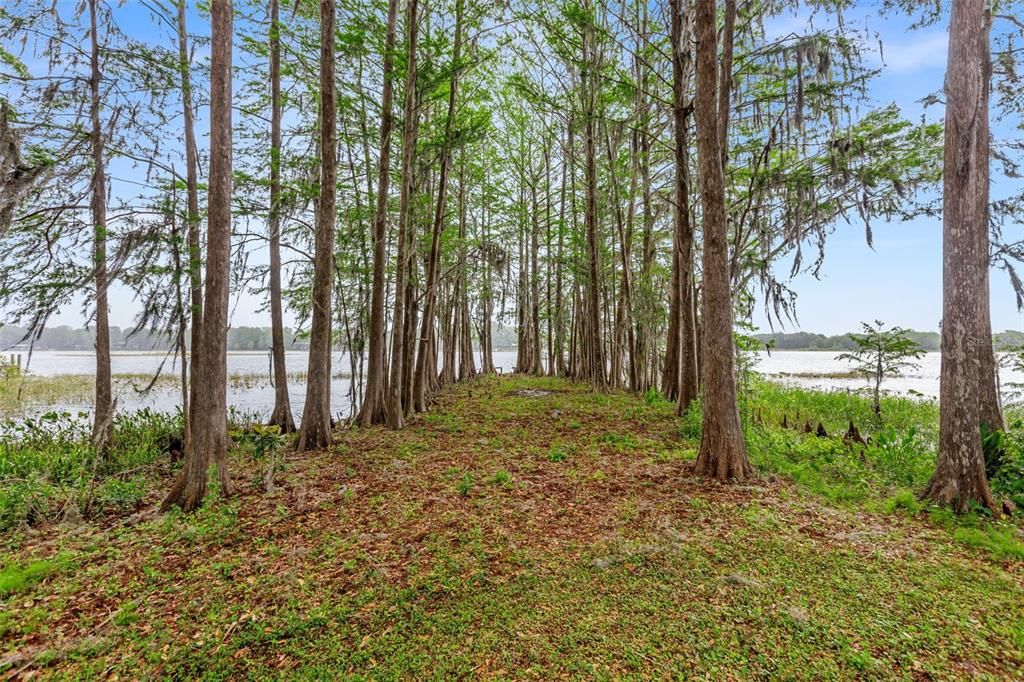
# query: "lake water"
252,391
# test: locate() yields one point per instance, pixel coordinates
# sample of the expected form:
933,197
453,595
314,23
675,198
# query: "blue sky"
898,282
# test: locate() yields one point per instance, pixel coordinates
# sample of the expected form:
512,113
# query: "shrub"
692,422
1009,478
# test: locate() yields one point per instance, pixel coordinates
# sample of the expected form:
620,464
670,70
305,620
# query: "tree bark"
723,453
595,368
559,360
373,409
467,364
103,417
282,414
315,430
195,246
209,409
990,406
395,408
959,477
685,339
419,388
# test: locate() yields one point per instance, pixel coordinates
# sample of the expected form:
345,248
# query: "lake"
251,389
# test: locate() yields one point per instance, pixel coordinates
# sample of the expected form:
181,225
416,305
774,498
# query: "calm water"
252,390
923,381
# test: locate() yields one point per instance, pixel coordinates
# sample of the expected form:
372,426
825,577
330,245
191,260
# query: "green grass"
560,536
15,578
49,470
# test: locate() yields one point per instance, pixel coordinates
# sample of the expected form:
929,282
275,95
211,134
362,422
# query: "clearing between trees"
524,527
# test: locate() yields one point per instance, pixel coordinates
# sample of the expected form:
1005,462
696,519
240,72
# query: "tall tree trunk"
684,362
373,409
419,388
689,341
645,311
723,454
567,152
395,409
103,418
959,476
315,430
467,364
486,300
524,344
195,315
595,367
282,414
623,349
989,403
548,307
536,354
209,408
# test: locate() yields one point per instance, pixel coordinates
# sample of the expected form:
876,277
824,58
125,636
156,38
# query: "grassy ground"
513,534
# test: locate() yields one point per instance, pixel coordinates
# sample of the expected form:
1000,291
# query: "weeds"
47,465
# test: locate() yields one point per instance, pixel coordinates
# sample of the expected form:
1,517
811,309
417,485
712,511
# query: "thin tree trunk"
467,365
537,353
209,409
395,410
315,430
959,477
595,359
373,410
684,360
419,388
282,414
723,454
560,367
195,247
989,403
103,418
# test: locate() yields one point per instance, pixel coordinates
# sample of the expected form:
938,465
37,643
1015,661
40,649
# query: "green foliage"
48,462
619,441
1002,542
900,454
692,422
993,447
880,354
904,500
558,453
1008,479
260,440
465,484
501,478
654,397
14,578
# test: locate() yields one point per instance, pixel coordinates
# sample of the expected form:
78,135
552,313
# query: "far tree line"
620,181
65,338
247,338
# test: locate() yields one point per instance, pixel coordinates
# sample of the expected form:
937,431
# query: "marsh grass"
49,469
886,474
22,393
